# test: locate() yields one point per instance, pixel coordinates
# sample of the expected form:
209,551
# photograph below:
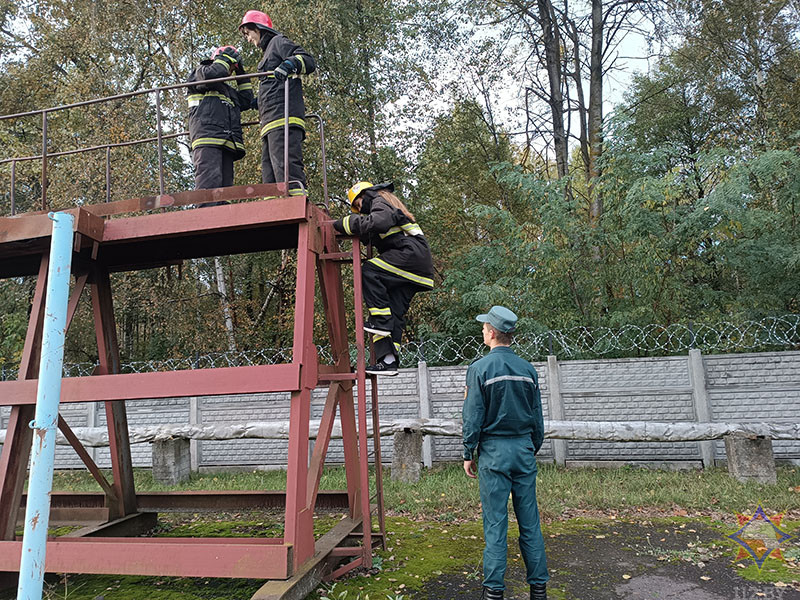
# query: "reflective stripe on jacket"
502,399
278,48
215,108
399,241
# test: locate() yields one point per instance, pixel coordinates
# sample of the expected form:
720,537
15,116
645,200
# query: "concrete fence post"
407,456
750,458
702,404
171,461
556,406
425,410
91,421
194,445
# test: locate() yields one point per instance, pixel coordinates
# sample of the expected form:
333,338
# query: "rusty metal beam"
131,525
17,447
175,557
84,456
123,500
195,501
34,226
234,192
170,384
310,575
207,220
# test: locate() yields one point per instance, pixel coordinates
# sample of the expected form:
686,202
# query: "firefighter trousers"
213,167
272,170
508,465
388,297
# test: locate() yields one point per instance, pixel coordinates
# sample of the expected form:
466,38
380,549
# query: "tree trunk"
596,109
225,304
552,53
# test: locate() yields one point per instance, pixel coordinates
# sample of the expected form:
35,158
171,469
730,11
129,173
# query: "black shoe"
490,594
539,591
381,368
370,327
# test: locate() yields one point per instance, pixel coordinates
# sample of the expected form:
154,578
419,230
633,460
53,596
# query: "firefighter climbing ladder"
102,245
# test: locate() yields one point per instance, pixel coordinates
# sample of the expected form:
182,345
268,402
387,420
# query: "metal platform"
108,238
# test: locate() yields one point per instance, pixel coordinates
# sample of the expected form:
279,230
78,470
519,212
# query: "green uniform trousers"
508,465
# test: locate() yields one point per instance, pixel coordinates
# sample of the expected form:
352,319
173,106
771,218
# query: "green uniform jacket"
502,399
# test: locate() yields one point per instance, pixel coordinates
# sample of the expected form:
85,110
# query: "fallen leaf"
626,576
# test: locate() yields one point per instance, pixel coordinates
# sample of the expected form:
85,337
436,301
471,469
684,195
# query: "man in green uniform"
503,424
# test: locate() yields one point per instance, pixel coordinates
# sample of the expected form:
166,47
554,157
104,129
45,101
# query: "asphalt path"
635,561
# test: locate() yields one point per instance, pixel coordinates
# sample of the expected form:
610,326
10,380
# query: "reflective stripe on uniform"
302,68
195,99
389,232
411,229
377,338
224,63
407,229
245,86
509,378
280,123
380,311
426,281
209,141
346,225
397,347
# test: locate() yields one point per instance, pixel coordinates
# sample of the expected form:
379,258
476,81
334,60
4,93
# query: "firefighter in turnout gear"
215,125
285,60
503,425
403,267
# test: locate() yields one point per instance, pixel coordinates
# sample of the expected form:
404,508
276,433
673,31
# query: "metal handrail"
160,136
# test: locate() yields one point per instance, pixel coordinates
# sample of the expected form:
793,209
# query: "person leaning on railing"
283,59
215,125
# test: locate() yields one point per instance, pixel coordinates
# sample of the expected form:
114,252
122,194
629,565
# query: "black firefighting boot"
490,594
539,591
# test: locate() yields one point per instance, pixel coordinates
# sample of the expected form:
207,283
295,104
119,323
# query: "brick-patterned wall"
750,387
647,389
740,387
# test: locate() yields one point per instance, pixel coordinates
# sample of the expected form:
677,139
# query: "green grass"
435,526
445,493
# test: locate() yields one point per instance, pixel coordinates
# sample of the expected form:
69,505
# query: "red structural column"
17,447
124,502
299,525
330,277
361,379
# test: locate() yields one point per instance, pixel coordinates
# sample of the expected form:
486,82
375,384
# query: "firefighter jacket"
402,247
278,48
215,108
503,399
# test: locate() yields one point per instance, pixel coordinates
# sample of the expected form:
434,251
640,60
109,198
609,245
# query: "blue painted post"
40,483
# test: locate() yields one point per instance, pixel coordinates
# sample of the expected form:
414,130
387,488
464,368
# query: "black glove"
232,57
239,69
285,69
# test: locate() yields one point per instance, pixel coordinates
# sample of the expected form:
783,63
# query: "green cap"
500,318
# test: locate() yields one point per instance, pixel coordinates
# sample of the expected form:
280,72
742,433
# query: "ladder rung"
337,376
337,256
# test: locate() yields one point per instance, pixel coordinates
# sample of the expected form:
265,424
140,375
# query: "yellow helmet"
356,190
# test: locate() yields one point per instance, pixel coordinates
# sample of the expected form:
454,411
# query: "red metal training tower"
294,563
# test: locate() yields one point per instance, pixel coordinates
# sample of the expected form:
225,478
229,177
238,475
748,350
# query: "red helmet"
217,51
256,18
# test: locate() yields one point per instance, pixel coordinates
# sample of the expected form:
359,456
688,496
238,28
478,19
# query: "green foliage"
698,187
